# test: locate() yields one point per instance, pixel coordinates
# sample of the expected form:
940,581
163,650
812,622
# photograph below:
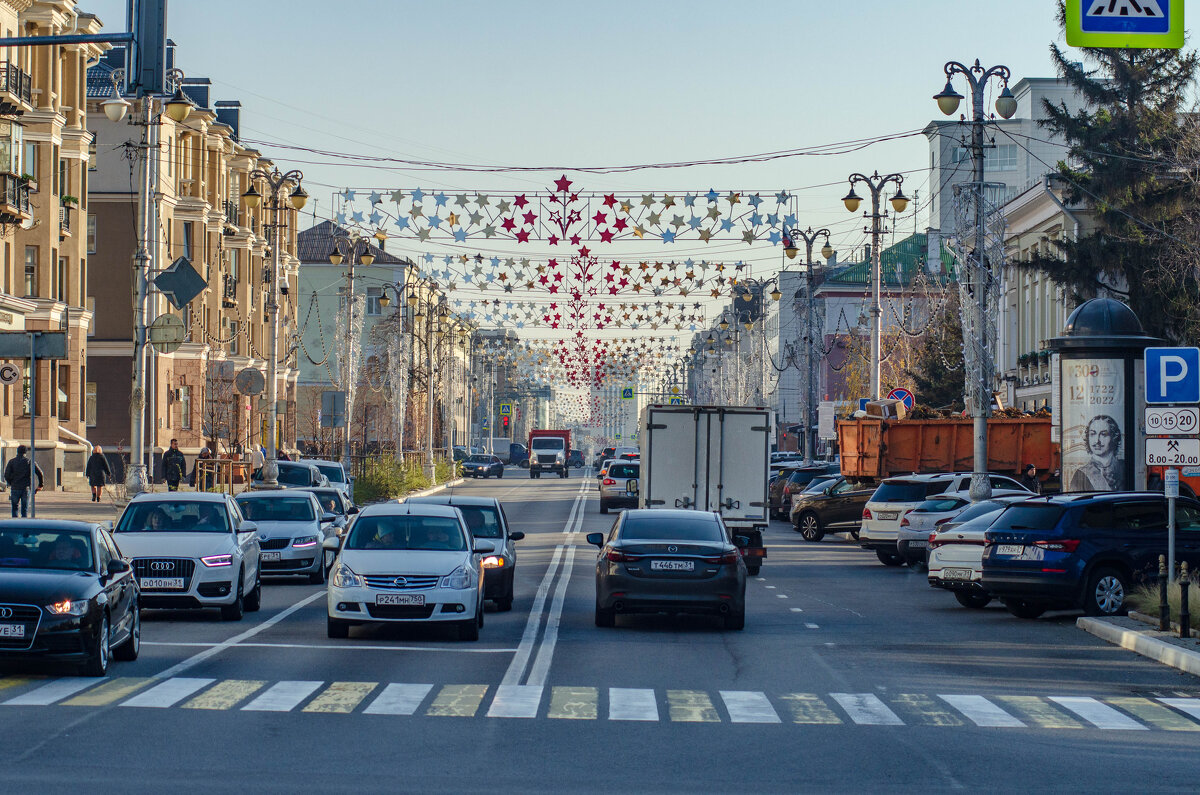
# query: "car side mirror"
596,539
827,491
117,566
741,542
485,547
332,544
328,518
353,509
516,535
247,527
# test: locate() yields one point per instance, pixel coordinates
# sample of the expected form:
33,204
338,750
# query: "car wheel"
128,651
754,570
253,599
809,526
1022,609
500,474
97,663
854,534
318,576
505,603
235,611
1106,593
889,558
336,628
605,618
974,599
469,629
737,620
603,506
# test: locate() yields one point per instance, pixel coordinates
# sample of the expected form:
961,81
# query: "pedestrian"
17,475
257,459
201,480
1030,479
174,466
97,471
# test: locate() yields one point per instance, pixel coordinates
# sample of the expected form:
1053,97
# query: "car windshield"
45,549
940,505
329,502
547,443
674,528
407,532
333,472
906,491
277,509
479,459
174,516
1029,517
623,471
482,520
295,476
980,509
817,486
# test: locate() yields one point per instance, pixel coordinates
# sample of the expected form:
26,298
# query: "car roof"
409,509
318,461
1076,497
48,524
668,513
453,499
924,478
175,496
271,494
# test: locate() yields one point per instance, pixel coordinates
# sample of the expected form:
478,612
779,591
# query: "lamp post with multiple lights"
811,333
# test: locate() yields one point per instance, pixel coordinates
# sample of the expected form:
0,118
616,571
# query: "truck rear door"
737,461
670,464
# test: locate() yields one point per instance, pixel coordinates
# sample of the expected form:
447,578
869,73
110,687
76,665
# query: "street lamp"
351,242
1006,106
810,236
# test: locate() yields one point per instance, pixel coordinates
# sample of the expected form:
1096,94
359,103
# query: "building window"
91,233
1002,157
63,392
373,296
10,147
233,336
92,154
187,239
185,407
62,279
30,165
89,404
31,263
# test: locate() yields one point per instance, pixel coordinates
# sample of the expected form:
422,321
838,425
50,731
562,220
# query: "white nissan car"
407,563
192,551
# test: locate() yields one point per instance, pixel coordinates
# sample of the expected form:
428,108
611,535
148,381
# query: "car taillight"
728,557
1065,545
867,513
609,482
617,556
933,542
904,522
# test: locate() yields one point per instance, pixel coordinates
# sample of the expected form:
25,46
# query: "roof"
407,509
319,461
99,81
314,244
175,496
48,524
899,266
454,499
270,494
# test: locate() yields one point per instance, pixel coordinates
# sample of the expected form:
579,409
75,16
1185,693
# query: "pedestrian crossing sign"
1136,24
627,393
676,401
505,409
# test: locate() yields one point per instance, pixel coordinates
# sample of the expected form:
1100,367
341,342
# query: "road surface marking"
1147,711
573,703
796,609
341,697
516,701
53,691
225,695
809,708
926,710
168,693
982,712
1036,711
282,696
344,646
110,691
866,709
749,706
1191,706
398,699
458,701
781,596
545,654
16,681
769,587
629,703
691,706
812,626
1099,715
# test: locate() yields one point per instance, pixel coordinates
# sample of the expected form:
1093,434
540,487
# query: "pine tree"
937,373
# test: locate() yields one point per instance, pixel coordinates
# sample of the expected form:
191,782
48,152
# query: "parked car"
407,563
912,537
956,551
669,561
518,454
896,496
486,520
483,466
1083,551
68,595
836,508
335,503
334,473
780,491
294,475
575,459
619,486
192,551
291,528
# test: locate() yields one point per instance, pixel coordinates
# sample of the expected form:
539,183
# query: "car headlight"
494,562
69,607
217,560
344,577
459,579
305,541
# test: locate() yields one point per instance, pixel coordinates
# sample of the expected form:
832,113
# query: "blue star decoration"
695,222
668,237
401,223
727,225
375,218
357,217
712,195
376,197
460,235
341,218
774,238
418,195
434,221
782,197
789,219
348,195
441,199
690,200
755,200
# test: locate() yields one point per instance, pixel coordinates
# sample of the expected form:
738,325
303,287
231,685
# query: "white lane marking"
867,709
781,596
761,579
516,701
344,647
747,706
200,657
1191,706
796,609
631,703
769,587
398,698
282,696
1099,715
541,663
812,626
168,693
54,691
982,711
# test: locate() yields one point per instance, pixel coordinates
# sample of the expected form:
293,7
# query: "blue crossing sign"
627,393
676,401
1140,24
1173,375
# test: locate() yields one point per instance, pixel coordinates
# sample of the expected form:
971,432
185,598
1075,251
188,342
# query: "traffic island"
1130,632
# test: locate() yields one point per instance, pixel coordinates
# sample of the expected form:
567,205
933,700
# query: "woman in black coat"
97,472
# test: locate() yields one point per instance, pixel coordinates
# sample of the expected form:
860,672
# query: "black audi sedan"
670,561
66,595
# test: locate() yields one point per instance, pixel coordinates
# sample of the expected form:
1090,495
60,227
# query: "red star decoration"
610,199
530,217
600,218
508,225
562,184
553,240
620,224
521,201
523,237
584,251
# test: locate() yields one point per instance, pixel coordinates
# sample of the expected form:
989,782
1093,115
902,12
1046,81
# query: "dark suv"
1083,550
575,459
794,481
837,508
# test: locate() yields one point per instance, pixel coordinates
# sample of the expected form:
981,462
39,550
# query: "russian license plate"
268,557
672,565
162,583
410,599
887,514
1010,549
12,630
918,544
631,488
956,574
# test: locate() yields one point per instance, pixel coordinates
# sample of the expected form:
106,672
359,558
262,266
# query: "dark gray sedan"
670,561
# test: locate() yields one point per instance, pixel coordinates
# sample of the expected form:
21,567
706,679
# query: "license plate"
1010,549
672,565
162,583
414,599
12,630
887,515
267,557
918,544
956,574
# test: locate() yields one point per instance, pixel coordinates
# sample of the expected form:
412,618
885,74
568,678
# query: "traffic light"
504,422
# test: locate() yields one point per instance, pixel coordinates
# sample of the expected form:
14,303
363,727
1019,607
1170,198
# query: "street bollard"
1164,609
1185,617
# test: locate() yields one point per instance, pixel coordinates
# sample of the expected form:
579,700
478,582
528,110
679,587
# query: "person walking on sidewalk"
174,466
97,471
19,478
201,480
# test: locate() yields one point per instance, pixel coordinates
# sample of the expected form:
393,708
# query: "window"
187,239
63,392
62,278
31,263
92,154
185,407
10,147
91,233
233,336
373,305
89,404
1002,157
30,164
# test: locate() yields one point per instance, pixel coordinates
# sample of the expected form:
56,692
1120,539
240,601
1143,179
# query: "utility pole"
809,236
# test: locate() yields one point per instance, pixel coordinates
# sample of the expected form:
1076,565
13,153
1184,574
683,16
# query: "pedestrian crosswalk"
1150,712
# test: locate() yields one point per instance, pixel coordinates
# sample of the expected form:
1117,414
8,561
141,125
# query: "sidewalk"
1163,647
78,506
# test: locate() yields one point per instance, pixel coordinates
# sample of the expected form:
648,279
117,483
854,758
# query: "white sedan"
405,563
956,551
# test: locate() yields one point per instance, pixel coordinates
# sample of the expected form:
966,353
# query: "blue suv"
1083,550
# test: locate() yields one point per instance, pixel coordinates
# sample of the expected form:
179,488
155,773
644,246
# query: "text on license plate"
918,544
672,565
887,514
417,599
270,556
1010,549
162,583
956,574
12,630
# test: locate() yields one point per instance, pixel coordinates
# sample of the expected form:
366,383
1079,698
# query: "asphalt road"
849,676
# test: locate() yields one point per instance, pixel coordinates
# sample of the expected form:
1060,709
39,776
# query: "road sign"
1138,24
333,409
627,393
676,401
1173,452
904,396
180,283
1173,375
9,373
1172,420
618,436
506,409
47,345
1171,482
166,333
826,428
250,382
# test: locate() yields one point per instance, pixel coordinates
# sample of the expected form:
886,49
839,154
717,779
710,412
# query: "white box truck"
710,458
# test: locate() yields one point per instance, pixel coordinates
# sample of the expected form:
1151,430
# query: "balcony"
64,220
14,200
231,213
16,89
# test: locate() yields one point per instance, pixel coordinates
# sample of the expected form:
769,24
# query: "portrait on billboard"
1093,437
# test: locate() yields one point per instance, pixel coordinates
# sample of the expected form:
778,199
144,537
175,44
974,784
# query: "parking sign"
1173,375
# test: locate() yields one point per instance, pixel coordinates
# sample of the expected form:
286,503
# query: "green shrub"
1144,599
385,478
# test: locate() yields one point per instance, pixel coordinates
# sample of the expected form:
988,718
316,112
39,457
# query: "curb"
433,489
1143,643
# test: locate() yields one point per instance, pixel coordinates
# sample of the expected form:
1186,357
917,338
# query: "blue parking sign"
1173,375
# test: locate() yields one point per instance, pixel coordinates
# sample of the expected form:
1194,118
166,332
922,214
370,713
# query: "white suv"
897,496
